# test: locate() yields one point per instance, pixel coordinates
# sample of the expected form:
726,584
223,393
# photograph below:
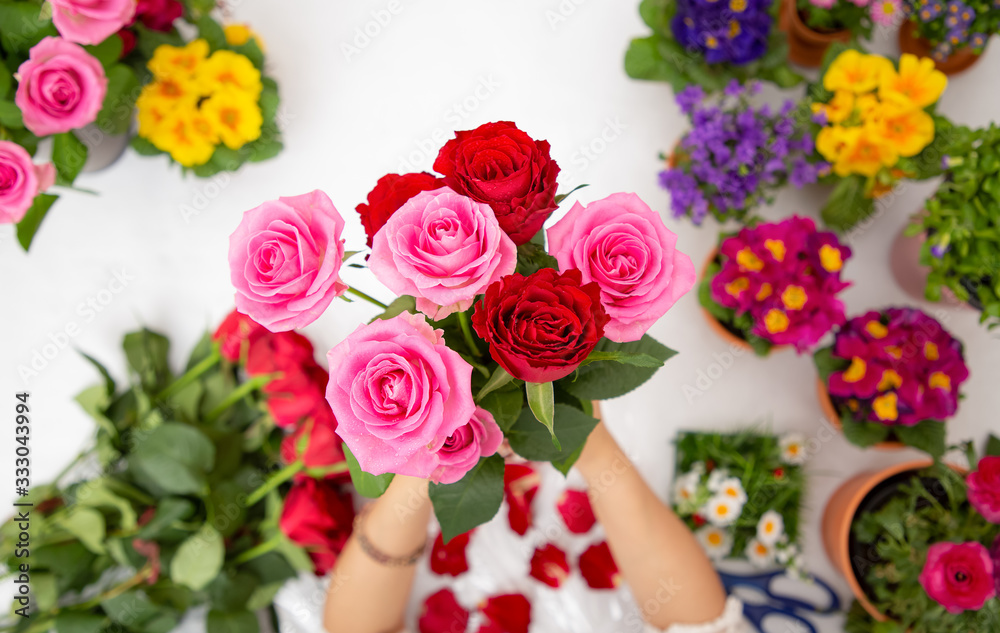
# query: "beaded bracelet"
378,555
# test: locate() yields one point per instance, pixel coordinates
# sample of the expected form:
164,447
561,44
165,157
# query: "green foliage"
620,369
531,440
471,501
841,16
29,224
930,507
367,485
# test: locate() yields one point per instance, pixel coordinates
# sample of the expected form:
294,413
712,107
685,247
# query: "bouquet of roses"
710,43
776,284
741,495
210,488
736,157
934,562
894,375
492,336
951,27
875,124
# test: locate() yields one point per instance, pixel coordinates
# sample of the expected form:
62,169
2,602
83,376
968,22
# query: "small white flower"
718,543
721,510
686,488
793,449
770,528
698,467
784,555
759,554
716,478
732,487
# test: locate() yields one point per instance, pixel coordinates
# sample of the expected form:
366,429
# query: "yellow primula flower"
839,108
171,61
235,117
188,136
240,34
917,80
856,72
832,141
868,106
908,132
226,70
865,155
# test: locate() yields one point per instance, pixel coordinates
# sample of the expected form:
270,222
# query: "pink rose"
623,245
20,181
284,260
984,488
61,87
449,459
444,249
959,576
91,21
395,389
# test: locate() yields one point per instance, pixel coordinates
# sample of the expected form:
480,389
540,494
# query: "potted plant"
710,44
960,225
736,156
815,25
775,285
892,378
741,495
208,488
914,542
954,34
875,123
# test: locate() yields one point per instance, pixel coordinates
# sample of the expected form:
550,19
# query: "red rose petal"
441,613
550,566
450,559
577,514
598,567
508,613
319,516
520,482
391,192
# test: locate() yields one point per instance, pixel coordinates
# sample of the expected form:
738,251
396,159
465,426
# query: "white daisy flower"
784,555
686,488
732,487
698,467
770,528
793,448
716,478
759,554
721,510
717,543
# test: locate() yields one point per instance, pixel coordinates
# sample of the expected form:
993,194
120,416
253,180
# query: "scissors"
785,607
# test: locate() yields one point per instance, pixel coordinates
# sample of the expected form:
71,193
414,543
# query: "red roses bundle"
499,331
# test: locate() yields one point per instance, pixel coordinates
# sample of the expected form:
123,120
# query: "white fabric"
731,621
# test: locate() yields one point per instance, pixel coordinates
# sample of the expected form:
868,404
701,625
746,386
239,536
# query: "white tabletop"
353,114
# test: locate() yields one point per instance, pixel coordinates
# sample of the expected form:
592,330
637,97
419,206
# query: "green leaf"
131,609
542,402
23,27
827,364
565,465
993,446
87,525
471,501
405,303
643,61
604,380
168,511
43,586
98,494
147,353
115,116
265,148
625,358
505,405
928,436
10,114
109,382
367,485
211,31
199,559
174,458
107,52
29,224
94,401
562,196
69,156
231,590
6,81
864,434
80,623
532,441
498,379
847,205
232,622
144,147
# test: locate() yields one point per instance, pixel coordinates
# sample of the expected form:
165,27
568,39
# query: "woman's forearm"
369,597
665,567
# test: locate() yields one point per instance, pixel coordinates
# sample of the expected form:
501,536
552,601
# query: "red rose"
391,192
128,42
298,394
984,488
235,335
281,351
158,15
540,328
574,507
509,613
500,165
549,565
318,516
450,559
441,613
520,484
317,439
598,567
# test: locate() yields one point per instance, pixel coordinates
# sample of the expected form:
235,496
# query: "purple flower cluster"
735,156
733,31
955,24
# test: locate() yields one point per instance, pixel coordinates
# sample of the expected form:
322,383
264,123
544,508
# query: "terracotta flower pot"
807,47
910,275
910,42
826,403
838,517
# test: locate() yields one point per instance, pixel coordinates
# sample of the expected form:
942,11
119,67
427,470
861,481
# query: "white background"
553,67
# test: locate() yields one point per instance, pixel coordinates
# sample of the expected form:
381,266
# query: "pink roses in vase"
487,328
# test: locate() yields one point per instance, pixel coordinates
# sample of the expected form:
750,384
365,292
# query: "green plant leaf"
131,609
98,494
847,205
80,623
115,116
366,484
29,224
174,458
625,358
168,511
498,379
144,147
471,501
87,525
199,559
604,380
107,52
928,436
147,353
6,81
542,402
211,31
827,364
69,156
863,434
562,196
505,405
565,465
231,622
231,590
109,382
10,115
993,446
531,440
23,27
